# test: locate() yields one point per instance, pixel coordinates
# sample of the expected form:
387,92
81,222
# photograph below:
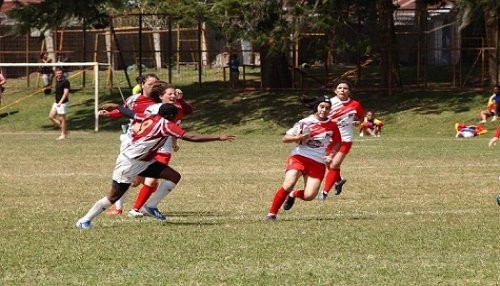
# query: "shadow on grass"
6,114
218,109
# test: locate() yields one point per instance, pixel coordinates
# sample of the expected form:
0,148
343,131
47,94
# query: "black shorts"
153,170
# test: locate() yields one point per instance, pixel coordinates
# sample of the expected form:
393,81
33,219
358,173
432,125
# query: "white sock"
119,203
99,206
162,191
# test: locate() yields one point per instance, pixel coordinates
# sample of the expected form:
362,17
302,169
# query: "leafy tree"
267,24
56,13
487,11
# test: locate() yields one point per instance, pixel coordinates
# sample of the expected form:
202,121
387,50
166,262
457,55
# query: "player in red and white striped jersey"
151,191
345,111
138,103
149,134
318,139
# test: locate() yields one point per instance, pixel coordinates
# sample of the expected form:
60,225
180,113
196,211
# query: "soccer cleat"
270,217
498,200
83,224
322,196
135,213
338,186
288,203
494,118
113,212
154,212
62,137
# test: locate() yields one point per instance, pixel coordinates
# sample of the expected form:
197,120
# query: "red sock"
144,195
279,199
299,194
332,176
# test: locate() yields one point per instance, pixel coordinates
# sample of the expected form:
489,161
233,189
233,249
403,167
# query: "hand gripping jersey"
322,136
344,113
149,134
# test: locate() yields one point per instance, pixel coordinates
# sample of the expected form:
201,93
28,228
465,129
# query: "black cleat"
288,203
338,186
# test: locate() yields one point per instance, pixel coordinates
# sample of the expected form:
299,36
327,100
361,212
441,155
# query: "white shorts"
61,109
127,169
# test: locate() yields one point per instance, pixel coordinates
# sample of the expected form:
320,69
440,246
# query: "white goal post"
95,66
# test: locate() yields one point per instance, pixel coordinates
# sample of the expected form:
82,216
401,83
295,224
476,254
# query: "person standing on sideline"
47,72
492,107
317,140
3,81
150,133
60,106
234,70
345,111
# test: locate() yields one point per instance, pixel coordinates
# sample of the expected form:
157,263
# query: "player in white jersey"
318,139
150,133
345,111
138,103
152,192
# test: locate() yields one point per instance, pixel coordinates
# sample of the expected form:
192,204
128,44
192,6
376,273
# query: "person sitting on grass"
370,126
493,107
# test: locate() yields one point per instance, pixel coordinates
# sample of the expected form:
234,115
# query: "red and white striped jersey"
322,136
344,113
153,109
150,133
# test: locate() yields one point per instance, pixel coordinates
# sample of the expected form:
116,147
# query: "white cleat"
135,213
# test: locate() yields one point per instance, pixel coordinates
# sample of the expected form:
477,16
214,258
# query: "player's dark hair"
149,75
139,79
319,100
168,111
342,81
158,89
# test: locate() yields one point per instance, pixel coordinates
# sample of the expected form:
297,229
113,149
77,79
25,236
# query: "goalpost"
94,65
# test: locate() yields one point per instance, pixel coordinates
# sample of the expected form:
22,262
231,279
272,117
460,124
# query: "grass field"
418,208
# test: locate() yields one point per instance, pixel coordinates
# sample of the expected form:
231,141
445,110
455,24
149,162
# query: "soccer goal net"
25,80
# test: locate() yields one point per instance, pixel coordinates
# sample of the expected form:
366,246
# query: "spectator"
60,105
234,70
493,106
2,87
370,126
47,72
62,58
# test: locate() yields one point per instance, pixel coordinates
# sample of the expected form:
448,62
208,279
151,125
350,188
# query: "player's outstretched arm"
193,137
109,106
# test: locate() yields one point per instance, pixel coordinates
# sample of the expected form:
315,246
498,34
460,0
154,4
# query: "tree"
56,13
268,26
488,11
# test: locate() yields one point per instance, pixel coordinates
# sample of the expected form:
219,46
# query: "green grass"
418,208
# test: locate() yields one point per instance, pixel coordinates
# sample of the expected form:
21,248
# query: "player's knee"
176,177
117,191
